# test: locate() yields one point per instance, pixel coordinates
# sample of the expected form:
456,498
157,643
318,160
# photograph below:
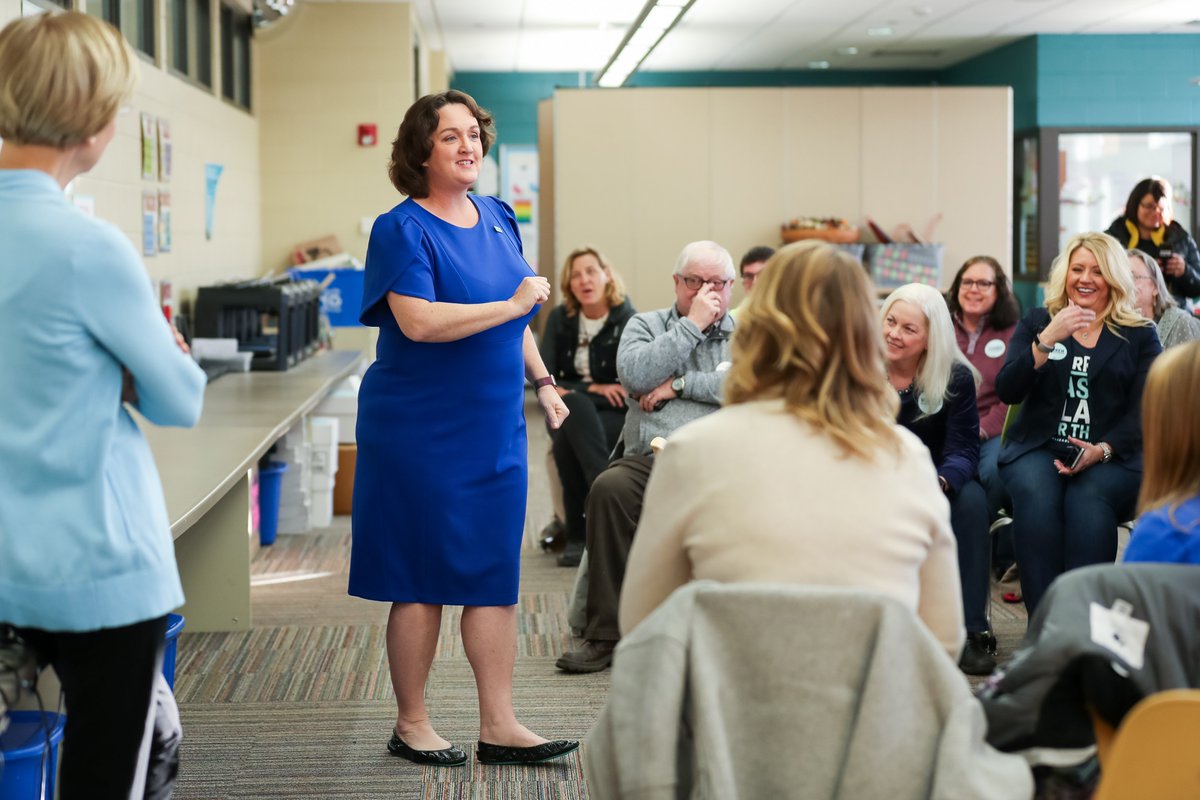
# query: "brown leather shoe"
591,656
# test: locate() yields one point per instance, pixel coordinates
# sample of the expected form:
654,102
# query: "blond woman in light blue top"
87,565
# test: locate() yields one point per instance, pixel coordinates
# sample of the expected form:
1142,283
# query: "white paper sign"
1114,629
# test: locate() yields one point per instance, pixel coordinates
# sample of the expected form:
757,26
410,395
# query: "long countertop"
244,414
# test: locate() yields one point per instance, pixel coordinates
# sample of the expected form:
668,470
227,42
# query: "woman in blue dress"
440,485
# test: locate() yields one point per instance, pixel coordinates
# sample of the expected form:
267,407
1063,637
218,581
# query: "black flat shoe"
521,756
446,757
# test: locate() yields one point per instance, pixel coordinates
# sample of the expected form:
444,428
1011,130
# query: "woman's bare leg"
412,634
490,639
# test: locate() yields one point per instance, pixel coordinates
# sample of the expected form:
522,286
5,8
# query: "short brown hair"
809,334
63,77
414,140
614,290
1171,435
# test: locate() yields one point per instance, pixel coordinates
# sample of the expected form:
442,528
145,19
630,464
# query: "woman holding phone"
1072,457
1148,225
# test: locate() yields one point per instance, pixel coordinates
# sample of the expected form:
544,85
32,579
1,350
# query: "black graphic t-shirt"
1076,418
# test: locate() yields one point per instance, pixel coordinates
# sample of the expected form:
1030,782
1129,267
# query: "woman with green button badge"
1072,456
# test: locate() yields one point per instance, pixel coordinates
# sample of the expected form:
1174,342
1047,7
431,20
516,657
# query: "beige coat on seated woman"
802,477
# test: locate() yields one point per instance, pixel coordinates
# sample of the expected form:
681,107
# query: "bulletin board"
519,188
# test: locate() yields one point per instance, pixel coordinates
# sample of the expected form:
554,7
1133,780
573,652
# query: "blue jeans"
1063,522
969,520
989,476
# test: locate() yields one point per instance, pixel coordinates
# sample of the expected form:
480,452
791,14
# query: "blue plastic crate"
341,300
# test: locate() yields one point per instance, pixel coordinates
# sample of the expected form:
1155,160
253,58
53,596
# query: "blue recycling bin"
28,768
270,483
175,623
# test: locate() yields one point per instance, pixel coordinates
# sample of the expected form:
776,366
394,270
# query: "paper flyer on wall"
149,222
149,147
165,150
164,221
212,174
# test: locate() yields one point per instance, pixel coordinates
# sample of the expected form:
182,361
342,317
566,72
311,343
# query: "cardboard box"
318,248
343,484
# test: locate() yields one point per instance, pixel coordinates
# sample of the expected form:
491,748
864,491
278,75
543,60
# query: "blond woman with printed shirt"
1072,457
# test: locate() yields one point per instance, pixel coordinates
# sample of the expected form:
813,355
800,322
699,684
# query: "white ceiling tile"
571,35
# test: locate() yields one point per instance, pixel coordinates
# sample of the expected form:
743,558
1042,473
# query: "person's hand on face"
1066,323
706,307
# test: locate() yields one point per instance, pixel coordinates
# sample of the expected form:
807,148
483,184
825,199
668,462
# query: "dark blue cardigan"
951,434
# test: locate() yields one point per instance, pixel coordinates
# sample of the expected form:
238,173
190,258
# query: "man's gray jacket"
658,345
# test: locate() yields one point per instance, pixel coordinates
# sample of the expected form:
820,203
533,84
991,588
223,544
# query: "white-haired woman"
936,385
1154,302
1072,457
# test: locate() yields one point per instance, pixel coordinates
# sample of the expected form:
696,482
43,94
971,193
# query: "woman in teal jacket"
87,565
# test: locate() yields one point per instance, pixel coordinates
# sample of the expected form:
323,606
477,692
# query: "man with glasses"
672,362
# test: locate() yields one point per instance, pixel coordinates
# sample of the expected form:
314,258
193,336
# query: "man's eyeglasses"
693,283
983,286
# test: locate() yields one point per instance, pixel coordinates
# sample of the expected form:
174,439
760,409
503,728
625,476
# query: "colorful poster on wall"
165,150
212,174
149,147
519,188
149,222
164,221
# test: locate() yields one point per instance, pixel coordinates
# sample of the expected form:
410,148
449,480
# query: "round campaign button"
927,406
1060,352
994,349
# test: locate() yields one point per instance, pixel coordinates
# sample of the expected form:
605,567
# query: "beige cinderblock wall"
325,69
732,164
204,129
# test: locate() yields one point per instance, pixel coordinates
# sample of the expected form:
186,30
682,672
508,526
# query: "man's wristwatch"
1108,453
677,386
1045,348
546,381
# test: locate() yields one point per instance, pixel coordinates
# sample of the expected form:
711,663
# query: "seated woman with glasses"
985,314
807,425
1154,301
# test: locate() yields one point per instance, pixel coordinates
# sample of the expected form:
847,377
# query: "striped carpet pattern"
301,705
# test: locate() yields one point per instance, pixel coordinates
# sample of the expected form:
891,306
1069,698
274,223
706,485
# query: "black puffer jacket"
1178,241
560,340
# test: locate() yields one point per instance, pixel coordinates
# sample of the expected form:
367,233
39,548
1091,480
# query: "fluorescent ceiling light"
883,30
652,24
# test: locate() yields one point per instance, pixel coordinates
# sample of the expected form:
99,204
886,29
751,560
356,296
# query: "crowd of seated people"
898,457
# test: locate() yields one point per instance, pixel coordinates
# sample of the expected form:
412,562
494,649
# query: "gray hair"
705,252
1164,300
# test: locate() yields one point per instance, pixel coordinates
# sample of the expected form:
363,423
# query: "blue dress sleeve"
399,260
509,219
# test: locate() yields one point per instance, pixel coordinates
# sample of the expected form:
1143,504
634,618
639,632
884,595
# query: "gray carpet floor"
301,705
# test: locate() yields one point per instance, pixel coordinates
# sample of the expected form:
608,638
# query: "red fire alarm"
367,136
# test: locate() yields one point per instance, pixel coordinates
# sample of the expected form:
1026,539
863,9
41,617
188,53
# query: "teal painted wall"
808,77
1118,80
512,97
